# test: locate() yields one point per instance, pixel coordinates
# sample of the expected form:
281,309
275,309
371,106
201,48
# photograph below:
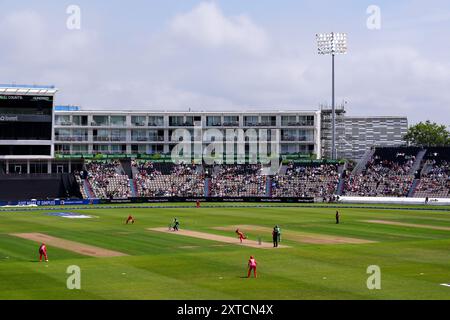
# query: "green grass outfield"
413,261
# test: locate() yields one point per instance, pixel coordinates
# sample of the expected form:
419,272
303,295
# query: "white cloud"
207,26
205,59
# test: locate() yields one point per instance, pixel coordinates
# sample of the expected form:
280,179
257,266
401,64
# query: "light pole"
332,43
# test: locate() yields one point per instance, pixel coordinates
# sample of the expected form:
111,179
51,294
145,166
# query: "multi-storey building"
140,132
355,135
36,139
361,133
26,127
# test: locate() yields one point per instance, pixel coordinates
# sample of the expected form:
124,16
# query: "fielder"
176,224
43,252
251,266
130,219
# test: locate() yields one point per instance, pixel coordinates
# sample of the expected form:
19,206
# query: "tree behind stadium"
427,134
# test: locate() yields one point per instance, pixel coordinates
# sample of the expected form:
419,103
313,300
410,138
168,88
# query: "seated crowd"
381,178
387,174
238,180
436,182
182,180
306,181
107,180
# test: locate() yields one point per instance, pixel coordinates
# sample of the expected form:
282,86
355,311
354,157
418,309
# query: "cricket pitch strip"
73,246
215,237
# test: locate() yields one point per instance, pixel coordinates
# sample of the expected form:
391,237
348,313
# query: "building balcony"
63,123
71,138
156,138
296,139
103,124
298,124
101,138
120,139
231,124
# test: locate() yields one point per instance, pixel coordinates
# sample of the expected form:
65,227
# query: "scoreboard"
26,125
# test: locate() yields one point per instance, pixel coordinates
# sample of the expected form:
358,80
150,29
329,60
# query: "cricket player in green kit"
278,232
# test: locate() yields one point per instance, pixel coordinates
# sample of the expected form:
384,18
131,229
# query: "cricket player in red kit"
240,235
198,204
43,252
130,219
251,266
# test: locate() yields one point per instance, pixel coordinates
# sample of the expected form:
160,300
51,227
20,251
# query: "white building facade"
132,132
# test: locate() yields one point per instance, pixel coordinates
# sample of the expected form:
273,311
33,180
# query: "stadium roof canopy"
27,89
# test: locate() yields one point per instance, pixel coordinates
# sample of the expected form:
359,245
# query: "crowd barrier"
61,202
342,199
53,202
395,200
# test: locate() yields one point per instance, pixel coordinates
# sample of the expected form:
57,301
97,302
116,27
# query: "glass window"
79,148
213,121
101,135
231,120
138,121
101,148
288,120
268,120
189,121
118,135
118,121
306,135
100,120
80,134
306,120
138,135
176,121
62,148
62,134
156,121
118,148
156,135
80,120
62,120
250,120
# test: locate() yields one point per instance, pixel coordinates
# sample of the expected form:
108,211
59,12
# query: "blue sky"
217,55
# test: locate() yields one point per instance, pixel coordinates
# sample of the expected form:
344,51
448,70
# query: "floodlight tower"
332,43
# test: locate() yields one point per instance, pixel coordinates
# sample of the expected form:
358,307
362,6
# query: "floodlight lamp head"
331,43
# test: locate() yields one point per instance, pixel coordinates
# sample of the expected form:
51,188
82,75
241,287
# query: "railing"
298,124
101,138
156,138
300,139
119,139
231,124
139,139
71,138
